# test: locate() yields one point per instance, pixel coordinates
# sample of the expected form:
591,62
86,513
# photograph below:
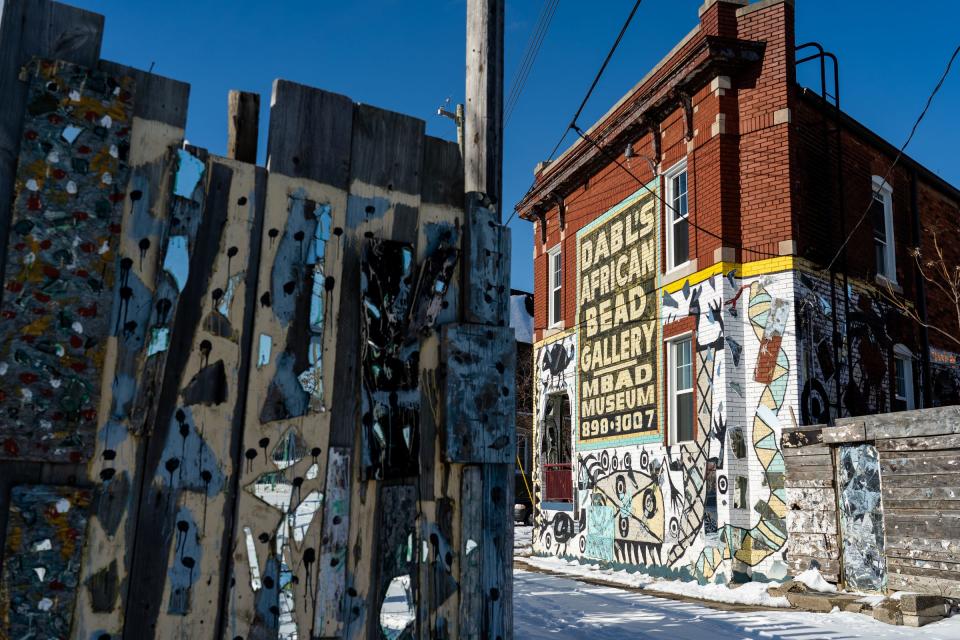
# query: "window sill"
885,282
680,271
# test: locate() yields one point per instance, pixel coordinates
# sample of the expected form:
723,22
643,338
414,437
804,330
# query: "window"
677,214
881,214
555,264
903,378
680,384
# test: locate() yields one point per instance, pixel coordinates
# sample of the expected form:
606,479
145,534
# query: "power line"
896,160
529,57
593,86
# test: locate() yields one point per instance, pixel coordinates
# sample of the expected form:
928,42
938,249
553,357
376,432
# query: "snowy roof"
521,315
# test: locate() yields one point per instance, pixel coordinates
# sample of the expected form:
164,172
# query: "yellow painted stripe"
743,269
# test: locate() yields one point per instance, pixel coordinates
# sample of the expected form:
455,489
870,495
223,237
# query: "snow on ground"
522,537
558,608
752,593
814,580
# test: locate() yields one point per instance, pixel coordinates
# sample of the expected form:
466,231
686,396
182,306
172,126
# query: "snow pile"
752,594
814,581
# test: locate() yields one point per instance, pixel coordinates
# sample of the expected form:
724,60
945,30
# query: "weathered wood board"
61,261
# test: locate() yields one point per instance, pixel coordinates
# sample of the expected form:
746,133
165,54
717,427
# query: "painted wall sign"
618,323
61,260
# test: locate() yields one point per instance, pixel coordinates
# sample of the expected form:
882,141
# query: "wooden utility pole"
483,126
486,444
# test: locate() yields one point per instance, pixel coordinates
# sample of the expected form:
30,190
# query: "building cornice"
691,68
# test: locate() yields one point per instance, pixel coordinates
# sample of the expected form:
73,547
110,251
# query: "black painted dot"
107,474
206,476
217,293
298,481
205,346
242,200
352,592
172,464
371,210
315,452
309,555
265,299
268,582
251,454
298,236
328,283
264,537
273,233
126,263
144,244
494,594
136,194
181,416
264,442
289,287
338,231
232,251
109,454
183,526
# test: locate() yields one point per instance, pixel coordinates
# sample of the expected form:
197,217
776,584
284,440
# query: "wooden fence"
875,501
242,402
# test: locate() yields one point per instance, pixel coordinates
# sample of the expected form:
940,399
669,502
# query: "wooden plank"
802,463
926,523
921,493
43,29
54,318
179,242
479,407
923,544
496,549
909,506
809,450
896,480
163,576
939,566
330,617
471,535
44,544
818,545
923,584
848,432
243,125
937,421
913,553
812,521
486,274
923,443
811,499
156,97
919,463
442,181
309,134
110,532
807,480
397,548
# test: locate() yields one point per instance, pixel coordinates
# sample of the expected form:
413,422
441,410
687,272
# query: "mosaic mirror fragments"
45,535
61,263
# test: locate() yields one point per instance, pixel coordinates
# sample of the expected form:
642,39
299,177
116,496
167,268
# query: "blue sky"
408,55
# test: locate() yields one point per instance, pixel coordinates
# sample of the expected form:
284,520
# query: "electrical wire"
896,160
593,86
519,80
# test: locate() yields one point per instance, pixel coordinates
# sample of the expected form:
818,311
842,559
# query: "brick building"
694,296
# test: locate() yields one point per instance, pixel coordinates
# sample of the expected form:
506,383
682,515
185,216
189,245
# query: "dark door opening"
555,452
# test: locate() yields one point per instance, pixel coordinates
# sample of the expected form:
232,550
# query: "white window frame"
901,354
884,191
672,384
555,318
668,177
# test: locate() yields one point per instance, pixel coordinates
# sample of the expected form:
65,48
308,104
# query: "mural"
61,260
708,507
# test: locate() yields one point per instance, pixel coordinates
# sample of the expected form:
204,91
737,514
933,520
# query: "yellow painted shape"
743,269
